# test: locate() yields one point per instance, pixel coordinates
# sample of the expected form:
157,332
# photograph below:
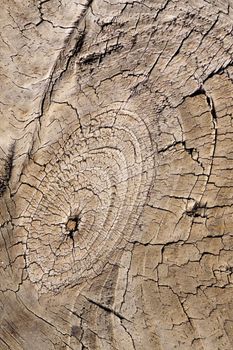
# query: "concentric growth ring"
93,190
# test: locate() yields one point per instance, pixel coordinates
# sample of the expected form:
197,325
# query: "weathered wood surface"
116,175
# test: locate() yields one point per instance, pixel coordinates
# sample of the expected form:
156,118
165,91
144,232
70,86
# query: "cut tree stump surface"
116,182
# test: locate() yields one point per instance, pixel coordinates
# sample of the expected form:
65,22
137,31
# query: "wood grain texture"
116,159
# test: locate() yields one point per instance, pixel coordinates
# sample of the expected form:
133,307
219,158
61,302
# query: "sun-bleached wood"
116,188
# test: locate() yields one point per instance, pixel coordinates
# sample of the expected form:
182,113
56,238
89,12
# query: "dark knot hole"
72,225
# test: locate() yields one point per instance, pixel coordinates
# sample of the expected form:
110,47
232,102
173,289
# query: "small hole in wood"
72,225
